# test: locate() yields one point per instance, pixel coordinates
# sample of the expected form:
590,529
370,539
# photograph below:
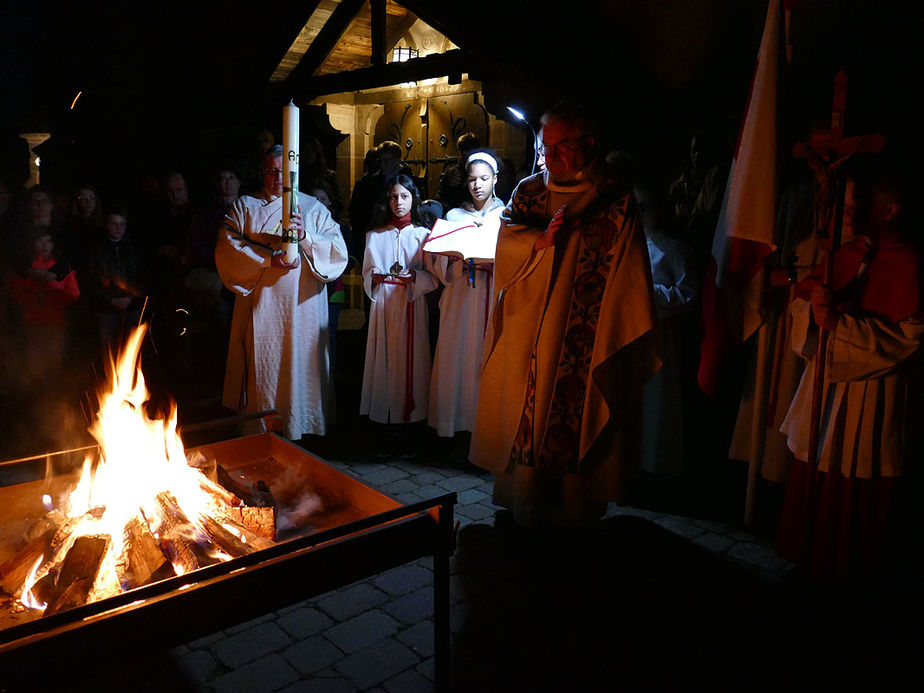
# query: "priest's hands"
823,310
547,239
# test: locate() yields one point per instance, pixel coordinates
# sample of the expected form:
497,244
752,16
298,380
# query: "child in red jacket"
43,291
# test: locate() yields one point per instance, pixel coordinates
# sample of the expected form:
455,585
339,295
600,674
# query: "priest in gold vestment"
570,342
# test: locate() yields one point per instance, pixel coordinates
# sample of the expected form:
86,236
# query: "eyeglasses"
563,147
272,171
85,198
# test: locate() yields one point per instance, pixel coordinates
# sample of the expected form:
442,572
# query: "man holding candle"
278,354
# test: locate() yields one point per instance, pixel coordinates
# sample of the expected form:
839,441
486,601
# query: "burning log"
225,540
246,535
177,537
40,541
222,495
260,521
253,507
259,511
78,572
142,559
14,572
256,495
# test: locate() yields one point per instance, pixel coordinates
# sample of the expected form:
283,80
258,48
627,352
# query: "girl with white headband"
465,306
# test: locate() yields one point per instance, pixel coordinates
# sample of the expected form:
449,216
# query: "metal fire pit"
360,532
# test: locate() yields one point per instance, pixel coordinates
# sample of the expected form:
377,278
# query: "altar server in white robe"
396,377
278,352
465,307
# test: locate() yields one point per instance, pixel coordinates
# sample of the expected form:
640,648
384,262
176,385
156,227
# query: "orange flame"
139,458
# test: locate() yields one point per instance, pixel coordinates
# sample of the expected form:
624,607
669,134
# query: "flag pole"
818,383
758,426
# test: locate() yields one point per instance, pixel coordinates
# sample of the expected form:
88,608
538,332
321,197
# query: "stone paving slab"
312,655
349,601
304,621
384,476
717,543
680,526
406,578
250,644
198,666
363,630
477,512
419,638
321,685
377,664
411,608
262,676
409,681
761,557
459,483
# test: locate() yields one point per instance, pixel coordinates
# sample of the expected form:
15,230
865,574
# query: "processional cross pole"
826,153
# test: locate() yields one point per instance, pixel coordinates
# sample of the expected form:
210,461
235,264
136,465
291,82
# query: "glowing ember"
142,487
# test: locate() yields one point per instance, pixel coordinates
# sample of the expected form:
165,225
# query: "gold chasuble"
568,349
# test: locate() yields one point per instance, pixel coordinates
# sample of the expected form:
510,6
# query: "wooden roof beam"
449,64
379,38
323,43
398,30
435,17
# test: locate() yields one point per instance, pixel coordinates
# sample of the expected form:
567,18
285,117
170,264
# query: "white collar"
581,183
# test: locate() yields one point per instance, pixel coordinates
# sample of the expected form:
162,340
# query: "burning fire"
141,482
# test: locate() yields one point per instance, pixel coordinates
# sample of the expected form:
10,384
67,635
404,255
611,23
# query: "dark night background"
170,84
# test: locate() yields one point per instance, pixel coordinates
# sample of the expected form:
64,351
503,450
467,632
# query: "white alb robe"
464,314
396,377
278,352
862,431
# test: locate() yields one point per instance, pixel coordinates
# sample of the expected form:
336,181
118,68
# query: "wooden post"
441,632
826,153
818,384
377,9
758,425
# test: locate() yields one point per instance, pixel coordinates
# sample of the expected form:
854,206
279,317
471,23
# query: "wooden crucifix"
826,152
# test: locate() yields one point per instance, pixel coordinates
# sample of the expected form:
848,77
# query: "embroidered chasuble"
568,349
558,450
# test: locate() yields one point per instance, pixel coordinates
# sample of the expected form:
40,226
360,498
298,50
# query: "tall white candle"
289,180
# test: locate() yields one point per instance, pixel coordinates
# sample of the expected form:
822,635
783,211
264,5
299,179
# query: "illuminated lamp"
519,116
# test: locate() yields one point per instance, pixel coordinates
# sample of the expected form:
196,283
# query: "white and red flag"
744,235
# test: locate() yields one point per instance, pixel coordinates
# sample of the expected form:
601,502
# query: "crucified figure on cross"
826,151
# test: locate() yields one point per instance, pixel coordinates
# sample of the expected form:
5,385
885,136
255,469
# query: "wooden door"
449,117
427,130
404,122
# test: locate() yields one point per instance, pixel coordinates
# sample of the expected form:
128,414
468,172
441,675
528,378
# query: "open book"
472,239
